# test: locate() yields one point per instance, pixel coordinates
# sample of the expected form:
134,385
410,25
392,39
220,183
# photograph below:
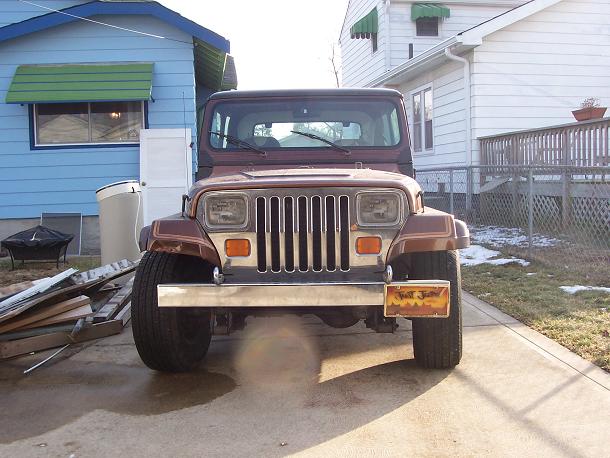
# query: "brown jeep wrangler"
305,204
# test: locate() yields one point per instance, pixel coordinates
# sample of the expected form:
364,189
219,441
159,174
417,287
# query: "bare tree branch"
333,63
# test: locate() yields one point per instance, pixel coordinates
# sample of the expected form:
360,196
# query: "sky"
276,43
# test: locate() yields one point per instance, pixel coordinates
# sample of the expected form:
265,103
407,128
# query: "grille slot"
344,231
261,246
275,234
331,224
316,230
304,233
289,233
303,229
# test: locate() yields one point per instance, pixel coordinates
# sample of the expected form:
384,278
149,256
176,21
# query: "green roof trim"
81,83
366,26
419,10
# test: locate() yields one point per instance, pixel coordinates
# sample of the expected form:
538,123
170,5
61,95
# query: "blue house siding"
65,180
14,11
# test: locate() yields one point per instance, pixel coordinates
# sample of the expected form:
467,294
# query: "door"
166,171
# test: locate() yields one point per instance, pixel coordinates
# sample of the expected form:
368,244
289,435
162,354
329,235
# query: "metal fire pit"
37,244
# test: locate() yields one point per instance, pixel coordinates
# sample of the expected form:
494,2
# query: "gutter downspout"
467,96
388,36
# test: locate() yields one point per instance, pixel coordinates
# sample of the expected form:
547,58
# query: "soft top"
342,92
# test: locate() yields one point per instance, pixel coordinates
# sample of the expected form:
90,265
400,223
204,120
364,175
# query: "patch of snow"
476,254
577,288
508,236
529,274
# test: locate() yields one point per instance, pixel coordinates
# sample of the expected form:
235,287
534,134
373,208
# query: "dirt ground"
36,270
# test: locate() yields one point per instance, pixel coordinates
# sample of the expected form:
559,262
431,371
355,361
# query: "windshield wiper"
322,139
237,142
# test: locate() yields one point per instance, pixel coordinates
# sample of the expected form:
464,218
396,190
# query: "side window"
394,127
426,27
417,121
428,134
422,131
390,128
220,124
215,140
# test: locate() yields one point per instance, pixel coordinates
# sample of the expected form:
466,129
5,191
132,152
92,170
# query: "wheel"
172,339
437,342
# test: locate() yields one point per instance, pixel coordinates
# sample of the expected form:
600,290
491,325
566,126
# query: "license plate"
417,299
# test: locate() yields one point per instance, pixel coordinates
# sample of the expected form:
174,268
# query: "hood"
308,178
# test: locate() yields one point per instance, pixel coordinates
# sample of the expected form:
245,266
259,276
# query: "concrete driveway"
298,387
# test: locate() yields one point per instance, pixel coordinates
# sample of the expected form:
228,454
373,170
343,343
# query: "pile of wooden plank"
70,307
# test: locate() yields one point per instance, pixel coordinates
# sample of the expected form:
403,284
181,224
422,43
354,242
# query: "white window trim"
420,90
43,145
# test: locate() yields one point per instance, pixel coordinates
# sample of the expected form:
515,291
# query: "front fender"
179,234
430,230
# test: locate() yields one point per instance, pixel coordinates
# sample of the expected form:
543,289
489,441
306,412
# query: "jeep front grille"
302,233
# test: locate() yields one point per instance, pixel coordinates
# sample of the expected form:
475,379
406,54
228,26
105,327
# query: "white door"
166,171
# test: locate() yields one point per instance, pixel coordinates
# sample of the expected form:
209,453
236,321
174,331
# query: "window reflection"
82,123
116,122
62,123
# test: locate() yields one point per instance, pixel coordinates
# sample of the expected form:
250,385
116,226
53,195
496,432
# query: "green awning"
419,10
210,67
366,26
81,83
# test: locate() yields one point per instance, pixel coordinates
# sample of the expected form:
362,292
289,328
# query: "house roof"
460,43
86,10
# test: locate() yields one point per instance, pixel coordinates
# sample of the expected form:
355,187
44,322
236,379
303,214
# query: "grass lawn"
35,270
580,322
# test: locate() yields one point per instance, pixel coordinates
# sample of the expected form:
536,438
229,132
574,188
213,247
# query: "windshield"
330,123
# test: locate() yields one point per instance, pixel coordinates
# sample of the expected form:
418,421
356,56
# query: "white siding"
536,71
463,17
360,65
449,114
358,62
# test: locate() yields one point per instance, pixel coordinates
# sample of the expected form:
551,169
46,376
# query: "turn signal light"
237,247
368,245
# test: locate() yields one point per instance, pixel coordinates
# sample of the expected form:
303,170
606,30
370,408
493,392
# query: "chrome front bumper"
281,294
272,295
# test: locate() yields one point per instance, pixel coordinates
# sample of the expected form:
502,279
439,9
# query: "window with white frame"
84,123
423,136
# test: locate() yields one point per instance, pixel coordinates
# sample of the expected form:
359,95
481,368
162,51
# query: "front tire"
172,339
437,342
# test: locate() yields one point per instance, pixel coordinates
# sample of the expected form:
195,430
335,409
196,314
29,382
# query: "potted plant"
589,109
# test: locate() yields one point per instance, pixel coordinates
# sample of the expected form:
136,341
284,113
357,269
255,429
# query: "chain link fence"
553,214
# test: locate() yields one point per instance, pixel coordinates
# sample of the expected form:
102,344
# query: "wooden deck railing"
576,144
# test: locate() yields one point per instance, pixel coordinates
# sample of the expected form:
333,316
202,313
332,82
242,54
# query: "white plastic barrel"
120,210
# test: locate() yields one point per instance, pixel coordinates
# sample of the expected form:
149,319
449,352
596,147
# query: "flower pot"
584,114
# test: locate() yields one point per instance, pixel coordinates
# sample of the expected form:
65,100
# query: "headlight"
383,208
225,211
